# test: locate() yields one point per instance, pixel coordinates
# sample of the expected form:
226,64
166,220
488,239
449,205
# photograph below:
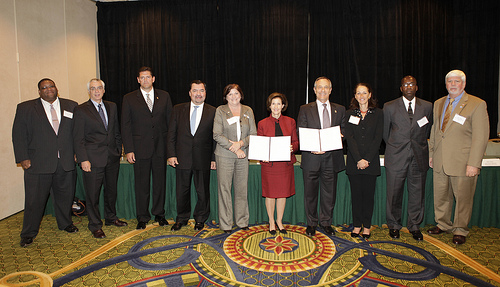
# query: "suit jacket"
401,135
309,118
192,152
145,132
363,141
460,144
267,128
223,131
91,139
34,138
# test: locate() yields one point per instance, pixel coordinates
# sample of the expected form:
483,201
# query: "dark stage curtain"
281,46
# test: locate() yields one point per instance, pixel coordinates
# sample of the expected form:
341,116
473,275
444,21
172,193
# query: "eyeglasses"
93,89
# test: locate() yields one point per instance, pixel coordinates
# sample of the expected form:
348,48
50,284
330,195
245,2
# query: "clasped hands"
236,148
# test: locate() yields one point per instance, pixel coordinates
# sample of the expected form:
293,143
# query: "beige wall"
56,39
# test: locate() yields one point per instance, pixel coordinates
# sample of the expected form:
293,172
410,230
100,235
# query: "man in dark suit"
458,140
145,116
321,167
190,150
43,145
98,146
407,125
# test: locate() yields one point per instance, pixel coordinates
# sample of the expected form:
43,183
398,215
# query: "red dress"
278,179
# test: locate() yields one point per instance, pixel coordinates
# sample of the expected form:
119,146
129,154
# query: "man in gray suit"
407,125
43,145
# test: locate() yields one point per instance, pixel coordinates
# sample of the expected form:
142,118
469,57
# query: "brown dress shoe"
117,222
458,239
435,230
98,233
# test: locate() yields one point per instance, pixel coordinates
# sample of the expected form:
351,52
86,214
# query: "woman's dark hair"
372,102
228,89
277,95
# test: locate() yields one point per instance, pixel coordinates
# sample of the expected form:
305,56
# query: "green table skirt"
486,211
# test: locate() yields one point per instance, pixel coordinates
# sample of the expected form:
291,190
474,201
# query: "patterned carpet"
157,256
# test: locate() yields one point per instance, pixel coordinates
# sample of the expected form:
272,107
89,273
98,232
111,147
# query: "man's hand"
172,161
25,164
213,165
431,165
131,157
240,153
362,164
85,166
471,171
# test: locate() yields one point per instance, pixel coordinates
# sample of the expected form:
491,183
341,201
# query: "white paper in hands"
320,140
269,148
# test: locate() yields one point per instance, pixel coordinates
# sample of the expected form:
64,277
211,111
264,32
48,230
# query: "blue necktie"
193,120
101,113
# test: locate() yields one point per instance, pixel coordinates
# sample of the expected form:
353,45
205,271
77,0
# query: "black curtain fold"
264,46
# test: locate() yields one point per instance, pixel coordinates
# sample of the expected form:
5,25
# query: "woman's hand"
362,164
235,146
240,154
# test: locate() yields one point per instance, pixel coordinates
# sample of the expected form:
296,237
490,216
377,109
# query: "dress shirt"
453,105
96,104
406,102
199,112
57,106
151,95
320,111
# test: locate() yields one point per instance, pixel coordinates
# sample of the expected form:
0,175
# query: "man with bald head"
407,125
458,140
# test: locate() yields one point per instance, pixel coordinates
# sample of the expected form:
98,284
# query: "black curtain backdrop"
284,45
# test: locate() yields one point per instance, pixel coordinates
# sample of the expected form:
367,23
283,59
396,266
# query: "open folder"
320,140
269,148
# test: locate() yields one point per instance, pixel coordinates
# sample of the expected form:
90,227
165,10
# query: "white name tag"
459,119
354,120
232,120
423,121
68,114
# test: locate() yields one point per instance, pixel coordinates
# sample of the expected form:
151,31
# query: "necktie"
410,111
326,118
101,113
55,121
149,102
447,114
193,120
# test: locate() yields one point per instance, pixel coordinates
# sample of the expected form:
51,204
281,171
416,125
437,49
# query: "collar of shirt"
151,94
455,102
406,102
320,110
57,106
96,104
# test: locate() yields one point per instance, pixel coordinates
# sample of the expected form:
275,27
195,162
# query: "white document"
269,148
320,140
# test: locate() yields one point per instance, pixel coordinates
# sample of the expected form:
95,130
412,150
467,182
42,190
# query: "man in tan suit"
457,143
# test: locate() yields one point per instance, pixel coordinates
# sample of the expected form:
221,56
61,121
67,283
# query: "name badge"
423,121
354,120
459,119
232,120
68,114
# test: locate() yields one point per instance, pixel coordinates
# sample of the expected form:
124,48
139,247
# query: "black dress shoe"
71,228
310,230
244,228
25,241
366,236
354,234
98,233
176,226
161,220
282,231
227,231
458,239
435,230
328,230
417,235
394,233
117,222
273,232
141,225
199,226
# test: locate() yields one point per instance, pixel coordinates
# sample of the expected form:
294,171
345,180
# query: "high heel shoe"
282,231
273,232
354,234
366,236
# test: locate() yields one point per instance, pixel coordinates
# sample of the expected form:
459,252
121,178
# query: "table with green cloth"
486,210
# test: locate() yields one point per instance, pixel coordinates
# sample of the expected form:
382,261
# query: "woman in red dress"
278,180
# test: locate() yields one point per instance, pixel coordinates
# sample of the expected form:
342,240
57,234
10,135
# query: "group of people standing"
50,134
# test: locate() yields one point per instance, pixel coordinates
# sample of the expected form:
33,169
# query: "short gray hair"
95,80
455,73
